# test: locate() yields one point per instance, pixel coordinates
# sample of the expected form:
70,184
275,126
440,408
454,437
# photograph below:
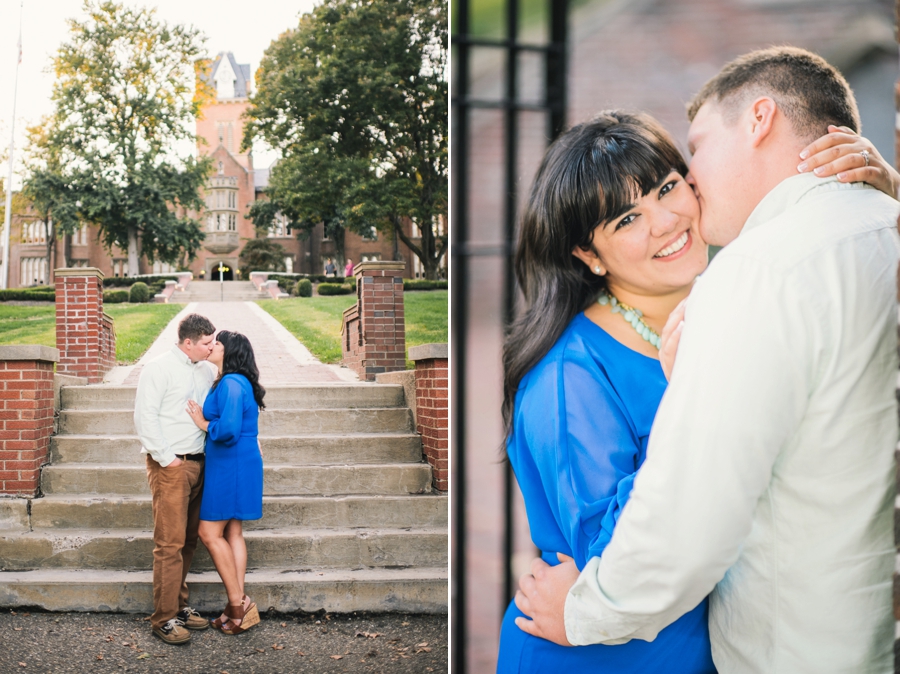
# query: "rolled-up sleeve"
745,367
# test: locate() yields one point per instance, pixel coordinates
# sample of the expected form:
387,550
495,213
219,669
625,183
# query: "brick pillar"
26,416
85,335
432,413
374,330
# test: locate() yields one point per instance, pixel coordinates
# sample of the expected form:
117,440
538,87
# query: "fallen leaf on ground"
99,656
260,650
284,624
368,635
17,629
143,656
277,647
422,645
424,649
337,657
301,653
21,664
404,624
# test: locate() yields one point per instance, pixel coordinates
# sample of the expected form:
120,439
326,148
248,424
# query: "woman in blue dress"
233,477
608,247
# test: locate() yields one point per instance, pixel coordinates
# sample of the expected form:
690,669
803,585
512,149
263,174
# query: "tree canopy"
355,100
120,142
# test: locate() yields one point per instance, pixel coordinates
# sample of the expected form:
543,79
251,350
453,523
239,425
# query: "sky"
244,27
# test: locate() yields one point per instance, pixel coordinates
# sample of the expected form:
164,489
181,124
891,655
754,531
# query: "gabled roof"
242,82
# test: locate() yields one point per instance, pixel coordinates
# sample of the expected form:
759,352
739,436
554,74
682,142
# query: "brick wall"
374,330
432,412
85,336
26,416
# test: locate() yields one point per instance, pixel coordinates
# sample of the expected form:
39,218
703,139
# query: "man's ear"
763,112
590,258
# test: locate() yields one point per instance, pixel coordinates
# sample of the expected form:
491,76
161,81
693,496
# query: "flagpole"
7,218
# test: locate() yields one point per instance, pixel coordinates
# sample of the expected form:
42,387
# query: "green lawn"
316,321
137,326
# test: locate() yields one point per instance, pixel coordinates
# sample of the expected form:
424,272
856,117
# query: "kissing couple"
729,509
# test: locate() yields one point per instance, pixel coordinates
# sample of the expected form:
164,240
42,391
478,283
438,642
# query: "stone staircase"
215,291
350,522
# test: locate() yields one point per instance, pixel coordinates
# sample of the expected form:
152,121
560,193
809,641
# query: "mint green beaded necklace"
632,315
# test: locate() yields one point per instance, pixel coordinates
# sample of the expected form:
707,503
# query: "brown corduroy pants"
176,492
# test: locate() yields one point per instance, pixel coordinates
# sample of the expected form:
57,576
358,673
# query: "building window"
370,234
370,257
119,267
289,265
79,264
232,222
33,271
278,227
34,232
80,237
163,268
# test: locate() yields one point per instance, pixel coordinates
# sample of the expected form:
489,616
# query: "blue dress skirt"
580,428
233,477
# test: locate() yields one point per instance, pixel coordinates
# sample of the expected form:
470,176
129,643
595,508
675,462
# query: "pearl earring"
597,270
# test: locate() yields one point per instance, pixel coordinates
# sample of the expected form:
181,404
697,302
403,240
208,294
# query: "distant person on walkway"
348,268
330,269
174,448
234,471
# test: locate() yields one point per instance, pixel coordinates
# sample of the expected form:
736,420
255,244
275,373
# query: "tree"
355,99
261,254
122,131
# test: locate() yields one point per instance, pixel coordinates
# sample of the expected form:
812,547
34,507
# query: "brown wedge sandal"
249,616
245,602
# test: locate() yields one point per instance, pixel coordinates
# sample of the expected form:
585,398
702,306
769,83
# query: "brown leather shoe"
173,632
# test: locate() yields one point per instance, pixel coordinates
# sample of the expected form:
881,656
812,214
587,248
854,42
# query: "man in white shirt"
770,473
174,448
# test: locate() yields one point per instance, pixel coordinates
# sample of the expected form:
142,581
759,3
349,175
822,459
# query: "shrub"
350,281
115,296
423,284
118,281
334,289
27,295
303,288
139,292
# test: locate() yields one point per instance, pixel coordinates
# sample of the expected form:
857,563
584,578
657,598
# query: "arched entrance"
226,275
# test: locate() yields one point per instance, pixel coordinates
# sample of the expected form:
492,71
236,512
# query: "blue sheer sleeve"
585,449
226,429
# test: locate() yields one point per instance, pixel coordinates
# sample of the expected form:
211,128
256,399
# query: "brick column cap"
79,271
428,351
379,266
29,352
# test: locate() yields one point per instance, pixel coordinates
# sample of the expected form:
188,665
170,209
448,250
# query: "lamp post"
222,269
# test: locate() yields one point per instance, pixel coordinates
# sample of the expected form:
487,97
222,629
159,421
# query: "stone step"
271,422
278,479
62,511
298,450
416,590
333,396
295,548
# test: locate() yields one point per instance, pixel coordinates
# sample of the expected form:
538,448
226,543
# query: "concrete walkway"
281,358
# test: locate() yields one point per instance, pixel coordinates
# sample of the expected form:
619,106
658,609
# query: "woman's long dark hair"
239,359
591,174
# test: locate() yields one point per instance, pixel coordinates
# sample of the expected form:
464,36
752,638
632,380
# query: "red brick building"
232,187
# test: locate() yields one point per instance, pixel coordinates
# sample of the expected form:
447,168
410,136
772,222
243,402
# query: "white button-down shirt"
163,425
770,472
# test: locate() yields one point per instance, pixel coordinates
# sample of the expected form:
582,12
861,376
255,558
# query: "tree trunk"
133,256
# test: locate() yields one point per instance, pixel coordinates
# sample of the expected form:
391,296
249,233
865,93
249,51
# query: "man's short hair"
194,327
809,91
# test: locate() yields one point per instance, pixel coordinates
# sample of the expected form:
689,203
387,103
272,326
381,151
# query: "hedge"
303,288
334,289
287,281
150,279
139,292
423,284
115,296
27,295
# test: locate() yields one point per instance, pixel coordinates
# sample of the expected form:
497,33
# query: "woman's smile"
681,245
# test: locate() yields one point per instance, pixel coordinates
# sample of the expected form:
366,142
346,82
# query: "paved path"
281,358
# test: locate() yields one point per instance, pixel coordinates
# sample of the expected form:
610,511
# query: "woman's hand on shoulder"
843,153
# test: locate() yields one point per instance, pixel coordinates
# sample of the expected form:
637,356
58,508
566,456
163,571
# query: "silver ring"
865,154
